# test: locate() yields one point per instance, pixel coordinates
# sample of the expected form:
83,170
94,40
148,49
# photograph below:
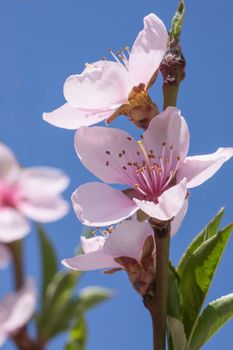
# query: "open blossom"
32,193
126,239
106,89
129,246
157,169
16,309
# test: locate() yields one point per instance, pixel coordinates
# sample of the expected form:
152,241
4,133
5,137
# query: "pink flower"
106,89
4,256
32,193
16,309
157,170
126,239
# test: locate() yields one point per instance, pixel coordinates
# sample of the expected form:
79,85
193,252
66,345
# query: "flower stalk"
17,260
156,298
21,338
173,71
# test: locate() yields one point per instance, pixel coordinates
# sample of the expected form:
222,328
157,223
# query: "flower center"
9,195
151,173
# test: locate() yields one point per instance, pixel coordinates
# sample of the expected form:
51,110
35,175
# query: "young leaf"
174,296
216,314
177,21
77,335
177,337
210,230
57,300
92,296
197,277
48,258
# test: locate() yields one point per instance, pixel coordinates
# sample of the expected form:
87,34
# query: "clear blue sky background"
44,41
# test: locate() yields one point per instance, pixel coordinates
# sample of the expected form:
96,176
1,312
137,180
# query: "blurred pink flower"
126,239
156,169
32,193
16,309
104,86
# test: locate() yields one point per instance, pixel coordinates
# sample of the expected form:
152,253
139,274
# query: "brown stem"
21,338
173,71
156,298
17,259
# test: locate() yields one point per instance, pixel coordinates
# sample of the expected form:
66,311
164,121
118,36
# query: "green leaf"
92,296
177,21
58,307
177,337
174,296
48,258
77,335
216,314
197,277
210,230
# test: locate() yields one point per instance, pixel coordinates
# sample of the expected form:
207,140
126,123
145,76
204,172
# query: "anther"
124,167
120,155
107,152
107,163
129,138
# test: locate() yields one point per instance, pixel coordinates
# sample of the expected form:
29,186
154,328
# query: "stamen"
141,145
114,56
139,189
89,65
127,50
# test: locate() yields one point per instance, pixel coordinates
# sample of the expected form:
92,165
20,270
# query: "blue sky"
42,43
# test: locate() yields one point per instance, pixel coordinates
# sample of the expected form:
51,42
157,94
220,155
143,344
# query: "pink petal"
97,204
171,128
127,239
5,257
9,167
90,261
105,86
177,221
44,209
169,203
92,244
13,225
148,50
70,117
198,169
100,149
42,181
19,307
